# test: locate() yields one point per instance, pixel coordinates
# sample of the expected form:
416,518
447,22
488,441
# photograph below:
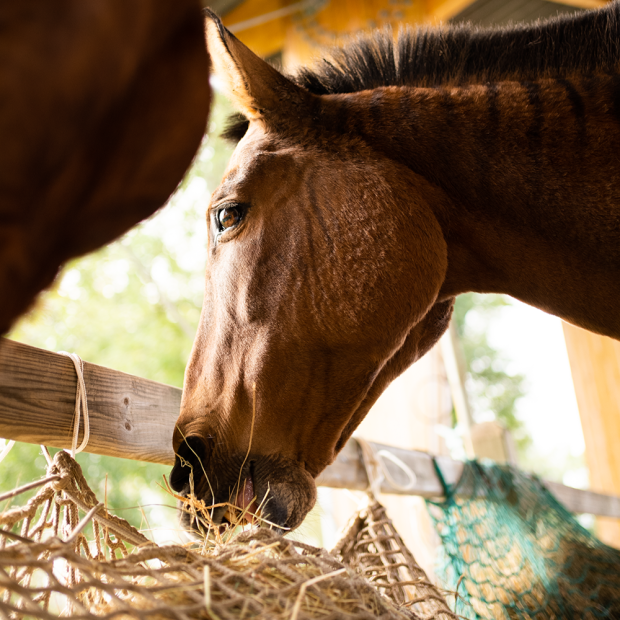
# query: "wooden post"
595,367
455,366
489,440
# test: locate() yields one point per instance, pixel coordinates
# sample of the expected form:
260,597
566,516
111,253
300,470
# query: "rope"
7,448
81,404
81,407
377,471
411,476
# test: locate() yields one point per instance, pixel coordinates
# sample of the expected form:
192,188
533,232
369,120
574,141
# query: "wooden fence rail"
134,418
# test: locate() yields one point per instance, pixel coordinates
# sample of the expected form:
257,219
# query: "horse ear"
189,460
254,86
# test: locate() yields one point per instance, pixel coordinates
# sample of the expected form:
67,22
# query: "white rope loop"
411,477
81,405
377,471
7,448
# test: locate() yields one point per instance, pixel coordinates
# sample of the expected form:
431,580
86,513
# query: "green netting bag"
512,551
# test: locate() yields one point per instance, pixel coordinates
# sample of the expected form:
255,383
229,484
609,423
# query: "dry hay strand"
49,567
257,574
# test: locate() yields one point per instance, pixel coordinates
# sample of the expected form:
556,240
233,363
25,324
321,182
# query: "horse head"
323,274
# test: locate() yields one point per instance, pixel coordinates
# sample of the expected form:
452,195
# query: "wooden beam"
134,418
348,472
595,368
443,10
580,501
130,417
264,39
454,363
583,4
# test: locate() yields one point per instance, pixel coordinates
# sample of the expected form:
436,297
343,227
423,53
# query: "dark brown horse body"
361,200
103,104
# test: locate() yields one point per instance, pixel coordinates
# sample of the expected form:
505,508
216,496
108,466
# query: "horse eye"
228,217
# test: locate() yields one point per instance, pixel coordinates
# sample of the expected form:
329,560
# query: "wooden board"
347,472
580,501
595,368
130,417
134,418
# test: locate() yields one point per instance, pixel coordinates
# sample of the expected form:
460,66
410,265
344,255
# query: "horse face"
321,287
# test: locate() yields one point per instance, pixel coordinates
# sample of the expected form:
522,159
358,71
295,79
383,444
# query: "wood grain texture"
265,39
134,418
580,501
130,417
595,368
583,4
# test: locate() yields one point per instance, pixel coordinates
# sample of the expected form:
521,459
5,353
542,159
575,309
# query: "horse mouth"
242,508
218,493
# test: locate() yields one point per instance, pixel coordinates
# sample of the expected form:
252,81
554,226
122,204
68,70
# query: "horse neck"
529,185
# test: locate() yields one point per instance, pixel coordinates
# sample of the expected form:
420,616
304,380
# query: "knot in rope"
61,484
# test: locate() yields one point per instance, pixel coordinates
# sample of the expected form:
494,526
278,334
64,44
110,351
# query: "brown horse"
361,199
103,106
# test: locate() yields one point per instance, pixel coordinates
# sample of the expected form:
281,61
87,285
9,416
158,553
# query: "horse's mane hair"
585,43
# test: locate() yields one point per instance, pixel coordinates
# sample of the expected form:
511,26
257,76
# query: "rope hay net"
62,554
512,551
375,550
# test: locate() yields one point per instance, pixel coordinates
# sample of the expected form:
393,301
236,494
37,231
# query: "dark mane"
584,43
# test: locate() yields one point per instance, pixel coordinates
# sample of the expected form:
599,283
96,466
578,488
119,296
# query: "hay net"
512,551
52,563
371,546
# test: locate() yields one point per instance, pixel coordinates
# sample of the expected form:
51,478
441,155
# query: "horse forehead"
256,165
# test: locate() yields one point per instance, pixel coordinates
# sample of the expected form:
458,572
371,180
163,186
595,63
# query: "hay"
48,567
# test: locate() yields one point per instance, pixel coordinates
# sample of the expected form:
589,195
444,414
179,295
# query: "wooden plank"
443,10
134,418
348,472
130,417
580,501
595,368
583,4
265,39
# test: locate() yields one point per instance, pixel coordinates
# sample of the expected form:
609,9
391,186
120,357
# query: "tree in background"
492,389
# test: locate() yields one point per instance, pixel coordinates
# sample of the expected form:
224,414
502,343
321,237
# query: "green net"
512,551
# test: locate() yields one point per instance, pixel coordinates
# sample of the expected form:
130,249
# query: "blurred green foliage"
133,306
493,390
